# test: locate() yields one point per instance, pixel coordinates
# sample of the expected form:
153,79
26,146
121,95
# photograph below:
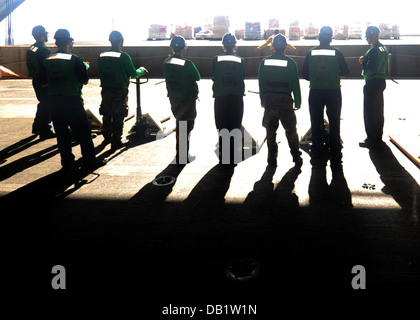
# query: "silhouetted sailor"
115,70
323,66
228,93
375,68
278,78
66,74
35,56
181,77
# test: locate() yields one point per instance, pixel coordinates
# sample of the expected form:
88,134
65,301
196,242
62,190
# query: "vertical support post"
138,110
9,37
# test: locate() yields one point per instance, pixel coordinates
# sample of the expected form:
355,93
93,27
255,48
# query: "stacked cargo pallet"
311,32
252,31
341,32
158,32
355,31
239,34
273,25
294,31
220,26
185,32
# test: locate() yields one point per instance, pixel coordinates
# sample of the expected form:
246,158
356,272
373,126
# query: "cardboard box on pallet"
294,31
252,31
158,32
220,26
341,32
239,34
311,32
185,32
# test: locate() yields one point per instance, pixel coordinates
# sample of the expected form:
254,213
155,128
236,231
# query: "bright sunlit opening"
93,20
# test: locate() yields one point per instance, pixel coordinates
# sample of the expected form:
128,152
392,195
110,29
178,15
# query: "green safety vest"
181,77
324,71
115,69
278,76
228,75
61,75
380,68
32,61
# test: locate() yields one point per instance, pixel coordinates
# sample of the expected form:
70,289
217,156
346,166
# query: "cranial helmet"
372,30
38,31
178,43
115,36
279,41
229,39
62,34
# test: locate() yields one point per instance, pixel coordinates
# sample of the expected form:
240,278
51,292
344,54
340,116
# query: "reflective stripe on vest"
323,52
229,58
275,63
60,56
176,61
33,49
110,54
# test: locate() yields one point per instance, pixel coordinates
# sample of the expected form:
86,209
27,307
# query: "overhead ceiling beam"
7,7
